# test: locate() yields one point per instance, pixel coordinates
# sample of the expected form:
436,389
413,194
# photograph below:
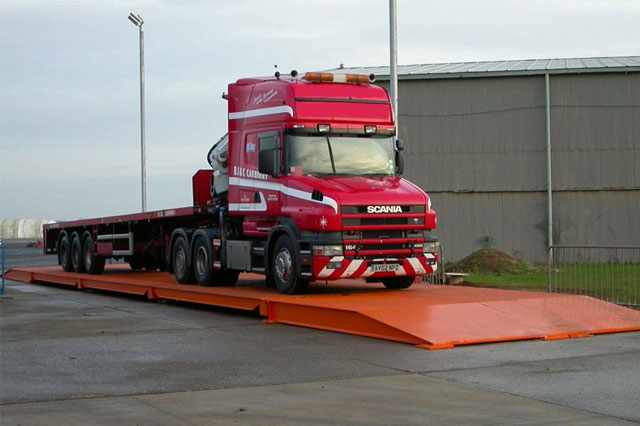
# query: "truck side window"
269,140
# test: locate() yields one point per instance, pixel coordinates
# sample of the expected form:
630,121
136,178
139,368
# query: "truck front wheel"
180,258
396,283
284,267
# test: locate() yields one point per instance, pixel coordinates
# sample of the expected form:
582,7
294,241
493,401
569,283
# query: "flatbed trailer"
141,239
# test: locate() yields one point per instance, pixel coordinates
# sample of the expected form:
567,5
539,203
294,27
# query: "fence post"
2,261
549,257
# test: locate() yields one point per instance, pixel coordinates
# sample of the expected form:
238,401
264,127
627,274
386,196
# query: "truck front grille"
395,233
358,218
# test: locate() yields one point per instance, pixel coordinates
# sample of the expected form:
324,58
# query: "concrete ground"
72,357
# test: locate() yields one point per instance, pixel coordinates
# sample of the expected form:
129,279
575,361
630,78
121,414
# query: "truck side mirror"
399,156
399,163
269,162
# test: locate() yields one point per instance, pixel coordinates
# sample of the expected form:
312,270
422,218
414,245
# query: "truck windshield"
327,155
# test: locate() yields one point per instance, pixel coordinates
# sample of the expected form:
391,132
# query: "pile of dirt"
491,261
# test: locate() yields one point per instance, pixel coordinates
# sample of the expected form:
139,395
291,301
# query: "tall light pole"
393,68
138,22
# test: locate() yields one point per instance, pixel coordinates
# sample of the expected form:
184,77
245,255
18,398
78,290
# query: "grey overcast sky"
69,106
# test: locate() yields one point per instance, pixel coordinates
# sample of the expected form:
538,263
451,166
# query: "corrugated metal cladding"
474,134
516,222
595,131
478,147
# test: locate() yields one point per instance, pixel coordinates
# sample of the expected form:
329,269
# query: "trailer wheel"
396,283
76,253
64,254
180,257
93,262
284,267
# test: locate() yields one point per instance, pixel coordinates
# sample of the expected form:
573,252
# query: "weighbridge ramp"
428,316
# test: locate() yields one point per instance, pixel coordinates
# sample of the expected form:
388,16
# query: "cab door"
268,188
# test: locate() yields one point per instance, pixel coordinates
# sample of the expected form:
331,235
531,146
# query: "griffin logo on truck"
384,209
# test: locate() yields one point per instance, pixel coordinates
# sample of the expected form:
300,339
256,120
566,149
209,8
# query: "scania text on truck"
306,185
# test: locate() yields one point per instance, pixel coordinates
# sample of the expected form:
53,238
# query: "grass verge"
615,283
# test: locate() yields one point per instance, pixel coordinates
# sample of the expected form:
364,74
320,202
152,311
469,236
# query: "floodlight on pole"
139,22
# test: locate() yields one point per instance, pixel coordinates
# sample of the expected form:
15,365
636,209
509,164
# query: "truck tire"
396,283
136,262
227,277
285,268
180,260
203,270
64,254
76,253
150,264
202,262
93,262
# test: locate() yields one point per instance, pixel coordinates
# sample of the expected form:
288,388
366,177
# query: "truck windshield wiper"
322,175
374,175
333,164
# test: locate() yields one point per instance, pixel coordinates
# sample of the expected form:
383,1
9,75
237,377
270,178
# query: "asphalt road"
72,357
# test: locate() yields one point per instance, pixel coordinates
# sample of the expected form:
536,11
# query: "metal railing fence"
610,273
437,277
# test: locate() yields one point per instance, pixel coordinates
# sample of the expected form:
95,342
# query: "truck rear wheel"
180,260
396,283
285,268
93,262
203,270
202,262
64,254
76,253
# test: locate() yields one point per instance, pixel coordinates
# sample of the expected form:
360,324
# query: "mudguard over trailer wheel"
285,267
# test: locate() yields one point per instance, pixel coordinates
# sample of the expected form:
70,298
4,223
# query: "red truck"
305,186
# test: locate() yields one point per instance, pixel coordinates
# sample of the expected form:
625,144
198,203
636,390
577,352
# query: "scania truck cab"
314,170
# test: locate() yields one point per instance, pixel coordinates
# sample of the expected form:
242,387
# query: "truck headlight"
430,246
332,250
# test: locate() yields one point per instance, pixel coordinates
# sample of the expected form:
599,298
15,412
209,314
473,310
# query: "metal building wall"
595,134
478,147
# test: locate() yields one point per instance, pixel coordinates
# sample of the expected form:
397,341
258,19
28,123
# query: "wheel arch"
86,234
287,227
74,234
61,235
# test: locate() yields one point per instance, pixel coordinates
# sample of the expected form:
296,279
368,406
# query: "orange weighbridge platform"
428,316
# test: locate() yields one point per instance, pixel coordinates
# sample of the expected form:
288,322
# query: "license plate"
385,267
